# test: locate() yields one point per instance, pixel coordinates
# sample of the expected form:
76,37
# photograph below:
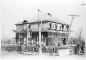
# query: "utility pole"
84,4
73,17
80,34
39,30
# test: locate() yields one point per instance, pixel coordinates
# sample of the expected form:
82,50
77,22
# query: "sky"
15,11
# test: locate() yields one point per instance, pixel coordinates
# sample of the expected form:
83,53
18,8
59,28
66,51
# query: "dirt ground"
14,56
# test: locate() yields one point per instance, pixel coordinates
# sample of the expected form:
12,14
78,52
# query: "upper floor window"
67,27
53,26
50,25
62,26
56,26
20,27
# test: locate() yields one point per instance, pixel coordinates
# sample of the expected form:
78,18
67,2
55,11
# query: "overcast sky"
15,11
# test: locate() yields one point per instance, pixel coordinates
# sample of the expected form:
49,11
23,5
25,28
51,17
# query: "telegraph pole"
84,4
39,30
73,17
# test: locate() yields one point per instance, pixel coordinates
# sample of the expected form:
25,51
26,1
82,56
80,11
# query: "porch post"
19,38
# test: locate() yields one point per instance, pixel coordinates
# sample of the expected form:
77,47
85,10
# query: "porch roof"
53,31
22,31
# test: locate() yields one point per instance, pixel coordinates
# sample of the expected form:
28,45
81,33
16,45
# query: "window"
53,26
67,27
50,25
62,26
64,41
56,26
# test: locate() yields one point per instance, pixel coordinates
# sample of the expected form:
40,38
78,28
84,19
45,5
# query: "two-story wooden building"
54,35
